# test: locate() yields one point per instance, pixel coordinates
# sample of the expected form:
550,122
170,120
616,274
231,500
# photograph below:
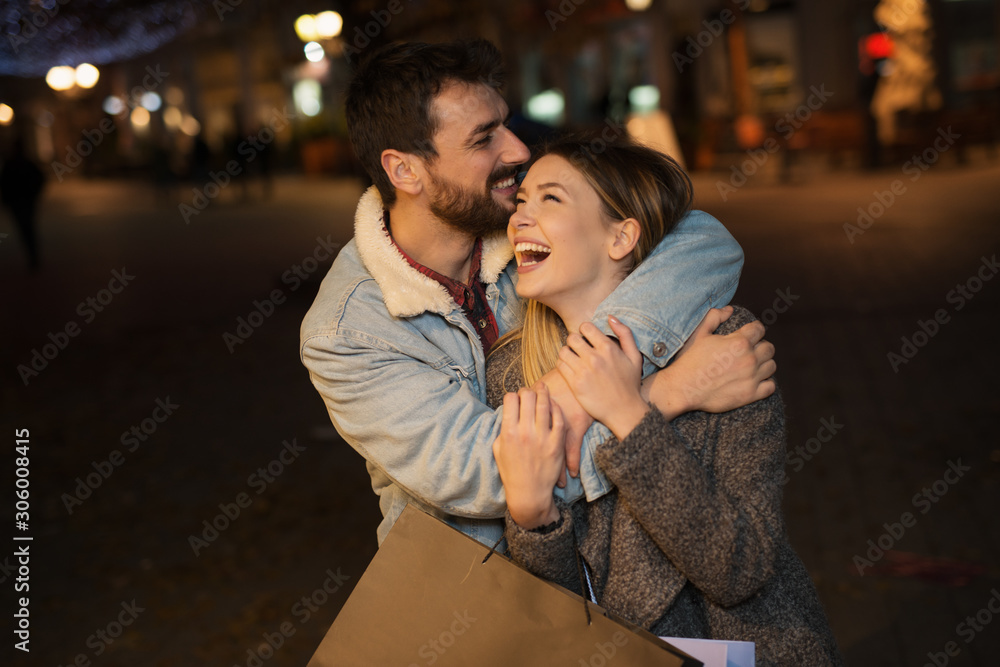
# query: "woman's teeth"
531,253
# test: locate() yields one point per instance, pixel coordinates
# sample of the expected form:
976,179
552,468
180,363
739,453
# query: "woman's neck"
576,311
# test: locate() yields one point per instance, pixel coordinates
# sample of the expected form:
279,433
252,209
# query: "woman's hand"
605,377
529,455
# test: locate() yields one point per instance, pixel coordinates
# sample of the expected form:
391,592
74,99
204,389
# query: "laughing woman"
691,542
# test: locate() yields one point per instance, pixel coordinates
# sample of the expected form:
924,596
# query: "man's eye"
485,140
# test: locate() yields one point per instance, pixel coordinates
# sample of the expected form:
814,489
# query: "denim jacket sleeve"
696,267
426,430
407,394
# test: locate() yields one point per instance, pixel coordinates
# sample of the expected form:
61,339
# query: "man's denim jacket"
402,371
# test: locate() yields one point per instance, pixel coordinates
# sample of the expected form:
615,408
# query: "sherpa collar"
406,291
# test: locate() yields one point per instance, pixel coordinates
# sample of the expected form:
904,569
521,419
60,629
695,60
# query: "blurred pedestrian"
21,184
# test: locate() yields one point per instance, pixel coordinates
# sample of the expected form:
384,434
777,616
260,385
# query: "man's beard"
477,214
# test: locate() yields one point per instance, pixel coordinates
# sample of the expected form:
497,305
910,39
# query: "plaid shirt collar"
471,297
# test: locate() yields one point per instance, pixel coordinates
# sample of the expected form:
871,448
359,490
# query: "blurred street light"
329,24
638,5
173,118
314,52
61,78
140,117
86,75
190,126
305,28
547,107
308,96
113,105
151,101
65,78
644,99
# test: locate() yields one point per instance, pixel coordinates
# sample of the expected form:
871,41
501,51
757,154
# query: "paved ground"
880,434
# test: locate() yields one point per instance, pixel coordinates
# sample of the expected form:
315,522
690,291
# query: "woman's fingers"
577,343
625,339
527,399
568,360
511,409
558,421
542,414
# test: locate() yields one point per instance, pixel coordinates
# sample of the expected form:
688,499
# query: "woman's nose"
520,218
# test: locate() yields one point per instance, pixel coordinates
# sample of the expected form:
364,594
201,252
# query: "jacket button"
659,349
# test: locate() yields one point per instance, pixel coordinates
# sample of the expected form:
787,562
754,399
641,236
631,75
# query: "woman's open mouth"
530,254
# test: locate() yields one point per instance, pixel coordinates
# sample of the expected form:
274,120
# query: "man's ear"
405,170
627,234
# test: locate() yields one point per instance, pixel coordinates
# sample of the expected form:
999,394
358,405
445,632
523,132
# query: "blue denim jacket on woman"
402,371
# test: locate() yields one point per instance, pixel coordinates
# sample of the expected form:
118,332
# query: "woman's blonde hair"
632,181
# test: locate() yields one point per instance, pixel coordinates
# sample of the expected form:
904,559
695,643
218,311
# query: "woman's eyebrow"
546,186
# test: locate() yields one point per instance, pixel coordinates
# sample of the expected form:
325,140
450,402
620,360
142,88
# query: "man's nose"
515,152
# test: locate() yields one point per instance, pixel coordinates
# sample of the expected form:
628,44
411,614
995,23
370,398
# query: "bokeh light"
329,24
151,101
314,52
547,107
113,105
644,98
86,75
175,96
190,126
61,78
6,114
140,117
308,95
305,28
172,118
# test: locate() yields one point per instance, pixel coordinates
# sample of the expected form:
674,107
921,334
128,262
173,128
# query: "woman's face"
562,238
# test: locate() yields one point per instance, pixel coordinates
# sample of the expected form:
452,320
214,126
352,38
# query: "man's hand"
715,373
529,456
575,418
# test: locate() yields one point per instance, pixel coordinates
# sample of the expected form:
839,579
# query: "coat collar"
406,291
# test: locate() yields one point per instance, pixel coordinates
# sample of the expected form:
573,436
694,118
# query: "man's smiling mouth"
504,184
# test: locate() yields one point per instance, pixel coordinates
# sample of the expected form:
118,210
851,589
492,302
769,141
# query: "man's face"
472,183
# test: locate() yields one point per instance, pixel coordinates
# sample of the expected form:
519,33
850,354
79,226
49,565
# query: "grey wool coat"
691,542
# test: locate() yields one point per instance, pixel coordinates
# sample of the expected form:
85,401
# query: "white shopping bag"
714,652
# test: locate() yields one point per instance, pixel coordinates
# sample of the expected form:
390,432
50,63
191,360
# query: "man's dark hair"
389,99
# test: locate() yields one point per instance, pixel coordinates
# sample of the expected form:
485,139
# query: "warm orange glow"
305,28
86,75
61,78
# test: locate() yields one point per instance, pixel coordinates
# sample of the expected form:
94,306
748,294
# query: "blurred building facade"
702,79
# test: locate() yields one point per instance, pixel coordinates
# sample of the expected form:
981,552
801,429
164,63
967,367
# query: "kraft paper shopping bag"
427,598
